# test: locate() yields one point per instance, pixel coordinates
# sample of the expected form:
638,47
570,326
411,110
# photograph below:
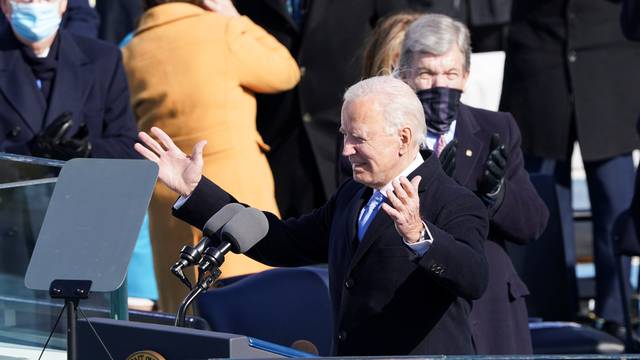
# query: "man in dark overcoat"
480,149
404,242
570,75
62,96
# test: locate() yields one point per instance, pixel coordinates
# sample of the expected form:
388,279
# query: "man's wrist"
421,236
189,188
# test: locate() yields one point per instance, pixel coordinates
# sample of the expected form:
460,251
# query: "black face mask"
440,106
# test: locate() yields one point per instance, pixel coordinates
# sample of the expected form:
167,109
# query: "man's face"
447,70
374,155
6,5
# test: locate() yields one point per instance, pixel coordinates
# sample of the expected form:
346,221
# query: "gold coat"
193,73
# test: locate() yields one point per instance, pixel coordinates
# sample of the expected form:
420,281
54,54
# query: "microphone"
190,255
238,235
245,229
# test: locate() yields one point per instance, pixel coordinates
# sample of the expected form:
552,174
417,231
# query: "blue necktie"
294,7
369,212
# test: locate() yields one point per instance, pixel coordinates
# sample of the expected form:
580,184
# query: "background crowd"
263,82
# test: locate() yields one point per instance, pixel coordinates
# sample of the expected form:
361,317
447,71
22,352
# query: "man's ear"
406,138
465,77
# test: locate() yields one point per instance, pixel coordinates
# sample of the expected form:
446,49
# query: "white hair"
435,34
398,102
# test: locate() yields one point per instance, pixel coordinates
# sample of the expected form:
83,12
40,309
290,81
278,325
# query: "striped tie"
440,145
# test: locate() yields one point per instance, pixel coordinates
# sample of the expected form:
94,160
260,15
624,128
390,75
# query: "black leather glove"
53,142
448,157
494,168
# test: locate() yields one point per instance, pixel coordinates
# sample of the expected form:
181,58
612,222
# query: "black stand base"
71,291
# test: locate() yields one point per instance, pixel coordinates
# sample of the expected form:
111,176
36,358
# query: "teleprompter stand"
71,291
89,231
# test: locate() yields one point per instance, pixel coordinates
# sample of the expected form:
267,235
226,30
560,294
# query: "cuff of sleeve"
181,200
496,199
422,246
495,193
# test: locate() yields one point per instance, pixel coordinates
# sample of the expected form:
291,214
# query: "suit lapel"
24,95
73,73
279,7
470,147
355,205
382,225
377,228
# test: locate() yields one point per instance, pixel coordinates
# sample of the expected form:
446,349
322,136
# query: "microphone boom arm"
203,285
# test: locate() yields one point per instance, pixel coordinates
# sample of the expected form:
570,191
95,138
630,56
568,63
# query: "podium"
125,338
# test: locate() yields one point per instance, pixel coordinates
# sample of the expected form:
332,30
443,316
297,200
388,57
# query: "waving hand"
179,171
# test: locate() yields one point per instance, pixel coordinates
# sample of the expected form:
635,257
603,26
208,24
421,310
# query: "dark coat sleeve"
522,215
630,19
294,242
81,19
456,257
119,129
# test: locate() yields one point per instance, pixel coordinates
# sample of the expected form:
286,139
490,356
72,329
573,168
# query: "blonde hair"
383,47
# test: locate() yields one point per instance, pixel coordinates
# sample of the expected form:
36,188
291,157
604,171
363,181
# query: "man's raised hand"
404,208
179,171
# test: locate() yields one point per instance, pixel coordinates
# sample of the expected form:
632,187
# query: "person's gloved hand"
489,183
448,157
53,142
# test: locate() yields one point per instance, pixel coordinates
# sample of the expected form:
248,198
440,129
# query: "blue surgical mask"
35,21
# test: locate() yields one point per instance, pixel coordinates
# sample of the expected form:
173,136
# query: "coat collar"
73,73
18,84
166,13
355,205
470,146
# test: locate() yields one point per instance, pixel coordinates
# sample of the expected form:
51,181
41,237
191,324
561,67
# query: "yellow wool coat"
194,73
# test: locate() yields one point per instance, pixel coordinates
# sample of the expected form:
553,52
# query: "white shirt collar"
44,53
408,170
